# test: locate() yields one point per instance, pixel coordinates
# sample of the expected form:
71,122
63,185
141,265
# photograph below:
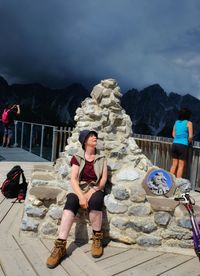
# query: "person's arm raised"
18,108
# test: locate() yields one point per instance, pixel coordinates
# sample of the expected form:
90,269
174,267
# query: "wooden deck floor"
21,255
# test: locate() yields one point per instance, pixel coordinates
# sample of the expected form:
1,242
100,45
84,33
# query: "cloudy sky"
137,42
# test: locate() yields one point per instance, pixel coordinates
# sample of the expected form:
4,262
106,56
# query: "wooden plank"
80,259
1,271
126,260
109,251
11,220
15,227
67,263
2,197
85,248
5,206
12,259
85,263
37,255
158,265
191,267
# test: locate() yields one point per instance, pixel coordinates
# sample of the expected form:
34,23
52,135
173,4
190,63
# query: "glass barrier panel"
47,143
36,139
26,136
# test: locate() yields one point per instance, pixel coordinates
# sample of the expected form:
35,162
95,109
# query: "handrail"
37,124
48,141
164,140
159,152
43,140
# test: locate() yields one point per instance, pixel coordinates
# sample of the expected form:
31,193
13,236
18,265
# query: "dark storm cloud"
137,42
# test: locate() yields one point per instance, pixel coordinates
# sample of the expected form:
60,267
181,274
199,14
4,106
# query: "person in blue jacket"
183,135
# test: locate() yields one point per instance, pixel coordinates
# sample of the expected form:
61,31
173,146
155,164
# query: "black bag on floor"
12,187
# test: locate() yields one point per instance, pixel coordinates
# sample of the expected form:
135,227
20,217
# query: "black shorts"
179,151
8,131
96,202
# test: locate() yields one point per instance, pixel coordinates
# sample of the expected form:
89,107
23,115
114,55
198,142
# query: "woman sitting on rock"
88,178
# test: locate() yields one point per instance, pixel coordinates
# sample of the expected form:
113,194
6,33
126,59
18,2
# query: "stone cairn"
131,215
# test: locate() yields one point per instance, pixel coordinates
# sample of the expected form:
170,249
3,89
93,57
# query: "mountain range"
40,104
151,110
154,112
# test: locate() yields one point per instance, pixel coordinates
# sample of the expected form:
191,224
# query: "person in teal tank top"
183,134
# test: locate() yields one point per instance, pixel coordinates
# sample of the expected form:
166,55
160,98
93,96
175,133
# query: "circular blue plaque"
159,181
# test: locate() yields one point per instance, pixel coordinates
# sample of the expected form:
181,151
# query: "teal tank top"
181,132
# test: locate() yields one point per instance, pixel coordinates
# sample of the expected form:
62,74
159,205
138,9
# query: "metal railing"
48,141
158,150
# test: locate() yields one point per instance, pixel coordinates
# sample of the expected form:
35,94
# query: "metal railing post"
64,138
54,143
69,133
15,144
42,141
194,170
31,137
22,135
60,139
155,152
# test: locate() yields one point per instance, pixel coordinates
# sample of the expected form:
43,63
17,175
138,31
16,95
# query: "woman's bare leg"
8,141
59,250
181,166
4,139
174,166
66,224
96,220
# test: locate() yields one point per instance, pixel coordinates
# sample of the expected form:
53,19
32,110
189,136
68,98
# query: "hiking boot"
97,248
57,253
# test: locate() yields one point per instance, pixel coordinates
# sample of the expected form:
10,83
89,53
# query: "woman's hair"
184,114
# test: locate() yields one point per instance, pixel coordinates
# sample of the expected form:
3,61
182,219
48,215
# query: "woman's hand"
75,185
90,193
83,201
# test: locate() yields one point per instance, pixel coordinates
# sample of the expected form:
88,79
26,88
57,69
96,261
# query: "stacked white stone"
130,215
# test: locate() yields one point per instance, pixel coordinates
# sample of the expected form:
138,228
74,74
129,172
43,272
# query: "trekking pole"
186,200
